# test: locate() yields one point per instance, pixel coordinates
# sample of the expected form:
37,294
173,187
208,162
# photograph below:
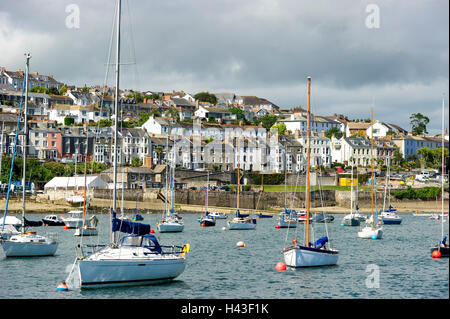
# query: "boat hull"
20,249
207,223
392,221
368,233
240,226
86,231
354,221
309,257
114,273
169,227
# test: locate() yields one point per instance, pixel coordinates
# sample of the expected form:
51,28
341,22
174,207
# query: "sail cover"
128,227
320,242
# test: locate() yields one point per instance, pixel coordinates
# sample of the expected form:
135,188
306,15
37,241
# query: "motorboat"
53,220
207,220
241,223
74,220
218,215
29,244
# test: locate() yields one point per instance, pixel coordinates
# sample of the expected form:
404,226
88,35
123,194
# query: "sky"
392,56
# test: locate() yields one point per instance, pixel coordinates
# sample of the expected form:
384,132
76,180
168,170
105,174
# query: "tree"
68,121
154,112
38,89
63,90
419,123
334,131
206,97
397,158
211,119
238,112
136,162
267,121
53,91
173,112
281,127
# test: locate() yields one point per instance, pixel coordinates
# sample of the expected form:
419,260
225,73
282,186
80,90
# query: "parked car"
192,188
225,188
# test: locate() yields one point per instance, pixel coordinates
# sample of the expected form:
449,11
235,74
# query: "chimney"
296,133
196,104
147,162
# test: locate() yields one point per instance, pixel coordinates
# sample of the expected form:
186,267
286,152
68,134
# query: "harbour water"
399,266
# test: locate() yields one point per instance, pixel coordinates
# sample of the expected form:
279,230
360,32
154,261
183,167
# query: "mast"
207,189
351,194
116,105
25,141
85,176
116,112
238,175
371,157
442,174
308,151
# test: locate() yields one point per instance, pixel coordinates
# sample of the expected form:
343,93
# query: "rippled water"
217,268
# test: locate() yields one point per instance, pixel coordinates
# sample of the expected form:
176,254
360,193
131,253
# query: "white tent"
60,183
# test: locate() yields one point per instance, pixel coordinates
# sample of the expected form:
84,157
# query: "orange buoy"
277,226
203,225
380,222
294,241
281,266
66,227
436,254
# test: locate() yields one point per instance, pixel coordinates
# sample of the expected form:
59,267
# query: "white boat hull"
86,231
170,227
368,232
29,246
241,224
128,272
307,257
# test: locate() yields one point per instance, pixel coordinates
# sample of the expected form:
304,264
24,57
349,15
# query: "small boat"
390,218
322,218
53,220
29,245
261,215
74,220
442,248
88,229
218,215
370,232
207,220
7,231
76,200
241,223
309,254
352,219
435,217
138,217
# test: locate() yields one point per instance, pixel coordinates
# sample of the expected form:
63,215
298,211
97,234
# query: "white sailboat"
137,258
87,229
27,243
240,222
351,219
171,222
206,220
389,215
371,230
309,254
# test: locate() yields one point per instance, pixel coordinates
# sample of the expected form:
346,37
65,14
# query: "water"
218,269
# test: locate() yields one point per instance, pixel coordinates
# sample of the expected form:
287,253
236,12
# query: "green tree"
53,91
267,121
173,112
397,158
154,112
419,123
68,121
85,89
136,162
238,112
212,119
38,89
63,90
206,97
334,131
280,127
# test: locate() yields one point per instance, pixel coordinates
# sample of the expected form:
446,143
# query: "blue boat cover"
320,242
128,227
151,242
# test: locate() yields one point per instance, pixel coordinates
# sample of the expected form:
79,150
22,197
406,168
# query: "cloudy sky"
265,48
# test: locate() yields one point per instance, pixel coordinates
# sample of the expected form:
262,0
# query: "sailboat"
261,215
240,221
389,215
137,258
351,219
317,253
441,250
171,222
207,220
371,230
27,243
87,229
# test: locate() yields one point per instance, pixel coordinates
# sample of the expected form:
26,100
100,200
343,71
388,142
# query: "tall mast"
442,174
116,104
85,172
308,151
238,175
25,140
207,189
351,193
371,156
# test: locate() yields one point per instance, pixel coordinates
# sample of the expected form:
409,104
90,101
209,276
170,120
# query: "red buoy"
436,254
281,266
152,231
66,227
277,226
203,225
294,241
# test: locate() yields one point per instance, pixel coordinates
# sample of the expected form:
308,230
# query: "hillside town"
206,131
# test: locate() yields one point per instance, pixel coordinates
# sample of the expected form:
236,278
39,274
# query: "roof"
92,181
358,125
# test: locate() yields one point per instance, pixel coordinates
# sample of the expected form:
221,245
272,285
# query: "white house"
78,113
345,149
381,129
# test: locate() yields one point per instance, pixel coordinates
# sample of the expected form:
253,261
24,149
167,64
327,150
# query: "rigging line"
323,210
14,153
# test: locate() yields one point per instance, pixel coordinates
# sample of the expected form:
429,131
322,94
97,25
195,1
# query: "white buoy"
223,228
240,244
